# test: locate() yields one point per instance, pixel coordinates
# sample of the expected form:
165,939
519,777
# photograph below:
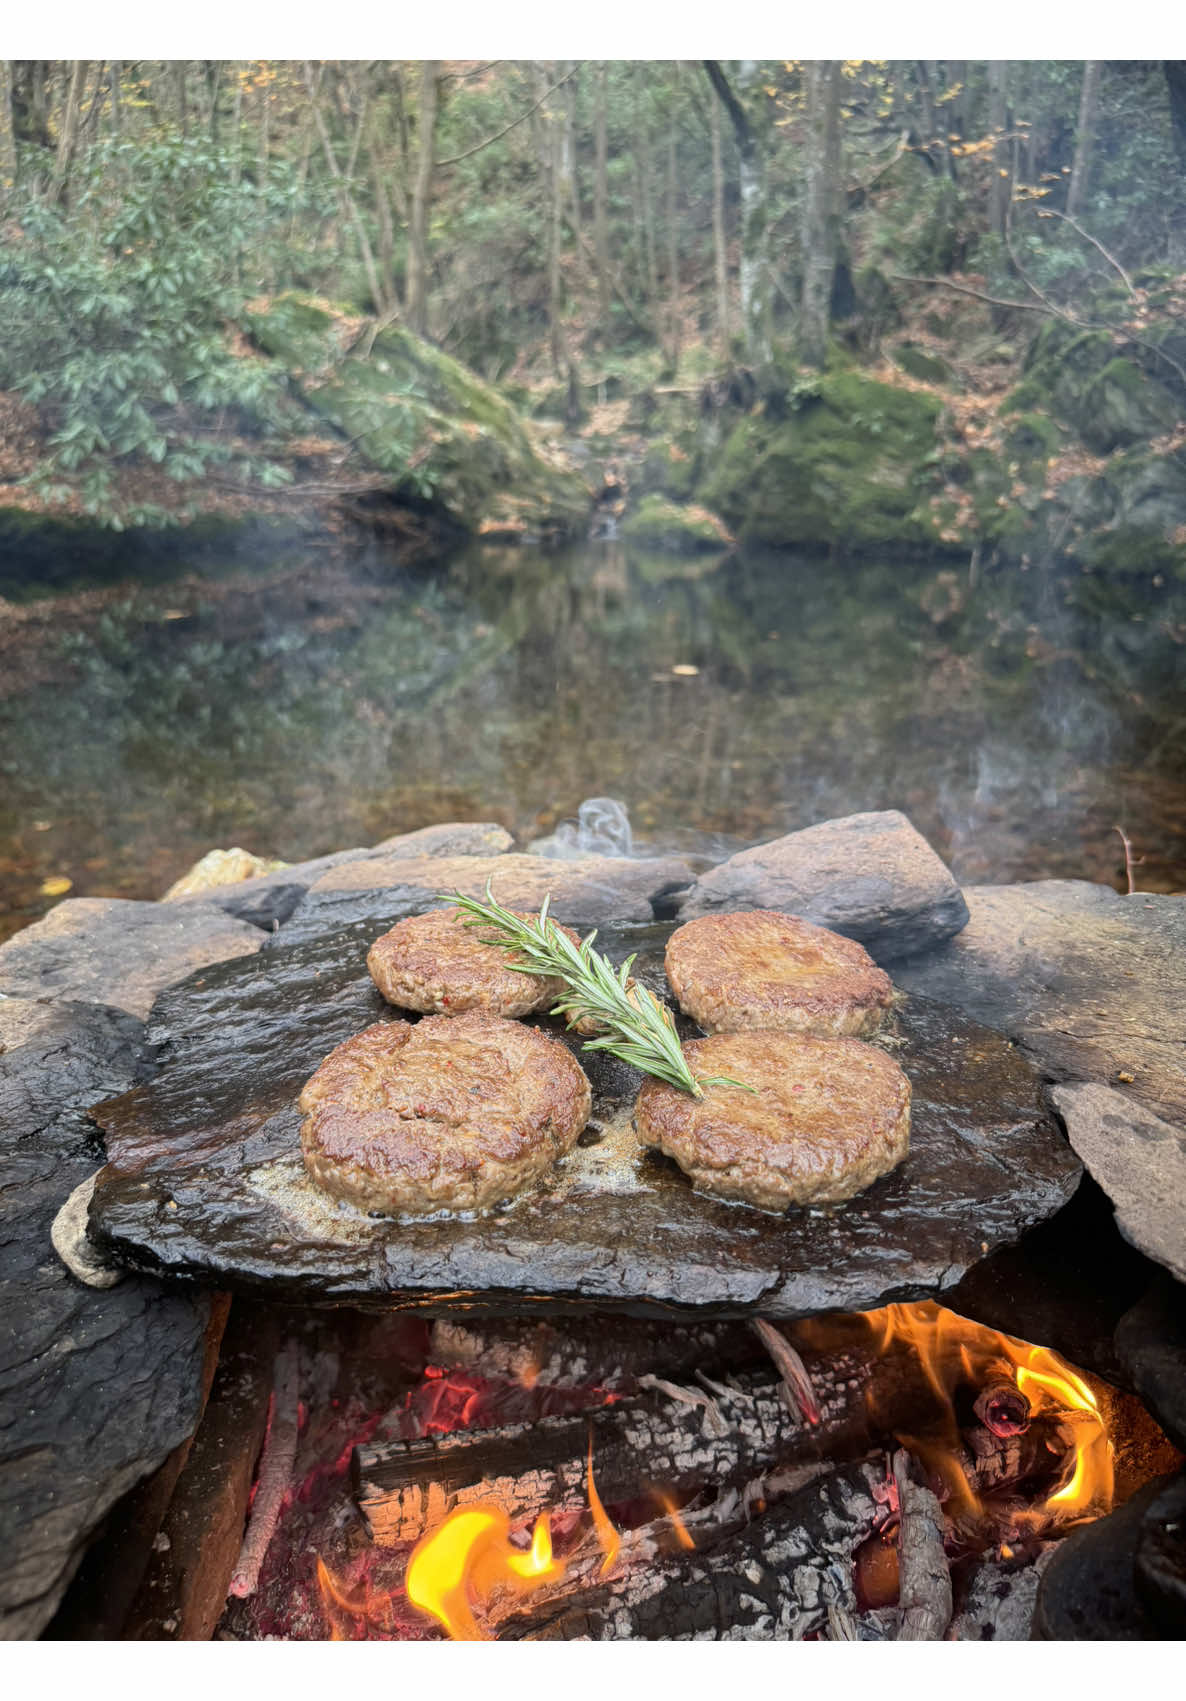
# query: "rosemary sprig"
638,1027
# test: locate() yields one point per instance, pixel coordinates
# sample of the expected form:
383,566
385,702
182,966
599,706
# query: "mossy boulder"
446,439
667,470
851,465
1107,398
679,529
917,363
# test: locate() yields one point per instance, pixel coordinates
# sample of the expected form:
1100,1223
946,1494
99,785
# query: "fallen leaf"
55,886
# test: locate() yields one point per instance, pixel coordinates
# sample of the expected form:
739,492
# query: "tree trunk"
568,154
936,131
7,130
68,134
601,194
1084,136
117,71
673,244
752,278
820,215
417,283
1000,189
718,230
646,184
1175,82
346,200
179,69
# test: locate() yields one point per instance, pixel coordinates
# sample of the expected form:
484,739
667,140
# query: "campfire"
903,1473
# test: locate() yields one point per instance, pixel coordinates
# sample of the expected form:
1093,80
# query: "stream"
300,706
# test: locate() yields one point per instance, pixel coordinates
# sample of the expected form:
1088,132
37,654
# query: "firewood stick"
792,1369
652,1440
275,1472
924,1588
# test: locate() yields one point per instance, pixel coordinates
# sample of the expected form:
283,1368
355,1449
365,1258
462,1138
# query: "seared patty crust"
764,969
435,964
451,1113
828,1116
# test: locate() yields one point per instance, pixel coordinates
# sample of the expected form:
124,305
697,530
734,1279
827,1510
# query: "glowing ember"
470,1558
957,1356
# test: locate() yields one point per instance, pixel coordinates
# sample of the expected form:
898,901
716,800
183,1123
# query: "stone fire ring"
205,1180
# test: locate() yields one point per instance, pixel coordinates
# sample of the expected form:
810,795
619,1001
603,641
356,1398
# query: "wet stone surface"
205,1178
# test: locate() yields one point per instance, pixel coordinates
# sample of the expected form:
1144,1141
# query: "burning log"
606,1352
773,1580
999,1598
799,1391
1003,1409
275,1471
665,1438
924,1587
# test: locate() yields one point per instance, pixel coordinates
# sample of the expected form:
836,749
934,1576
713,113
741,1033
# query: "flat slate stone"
1139,1161
96,1387
1151,1343
1091,983
205,1178
872,877
118,952
587,891
1088,1591
268,900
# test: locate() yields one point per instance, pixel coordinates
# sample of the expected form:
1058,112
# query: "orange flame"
470,1558
682,1533
609,1538
952,1351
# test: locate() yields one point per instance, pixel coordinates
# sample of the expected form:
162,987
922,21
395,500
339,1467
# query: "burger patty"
435,964
827,1117
764,969
451,1113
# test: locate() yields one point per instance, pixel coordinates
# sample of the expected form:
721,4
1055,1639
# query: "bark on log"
672,1441
275,1471
609,1352
924,1590
773,1581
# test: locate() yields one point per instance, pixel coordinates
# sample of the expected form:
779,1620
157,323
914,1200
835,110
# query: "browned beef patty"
764,969
434,963
452,1113
828,1116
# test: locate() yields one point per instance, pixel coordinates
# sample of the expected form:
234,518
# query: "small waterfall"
602,828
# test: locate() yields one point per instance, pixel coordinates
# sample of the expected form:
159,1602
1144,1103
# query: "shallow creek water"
304,706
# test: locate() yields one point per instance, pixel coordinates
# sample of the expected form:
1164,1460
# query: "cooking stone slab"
205,1179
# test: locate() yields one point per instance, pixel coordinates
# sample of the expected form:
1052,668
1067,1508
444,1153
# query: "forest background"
997,246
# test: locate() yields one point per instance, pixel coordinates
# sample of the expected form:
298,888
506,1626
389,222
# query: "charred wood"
924,1589
607,1352
998,1599
275,1471
800,1393
774,1580
666,1438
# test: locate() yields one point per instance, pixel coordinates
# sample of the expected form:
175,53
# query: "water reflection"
298,711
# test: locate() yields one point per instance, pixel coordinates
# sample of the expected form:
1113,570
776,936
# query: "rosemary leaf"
638,1028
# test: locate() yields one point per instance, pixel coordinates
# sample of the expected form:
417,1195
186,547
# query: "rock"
1091,983
1161,1559
69,1237
1151,1343
118,952
439,432
450,838
268,901
205,1173
872,877
1088,1591
667,470
681,530
1139,1161
96,1387
849,464
586,891
220,868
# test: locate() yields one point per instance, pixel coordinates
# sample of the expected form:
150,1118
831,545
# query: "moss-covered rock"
667,470
1107,398
444,437
850,466
917,363
657,524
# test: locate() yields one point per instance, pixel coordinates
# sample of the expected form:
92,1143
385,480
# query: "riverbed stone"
1090,982
872,877
1138,1160
269,900
586,891
97,1387
118,951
